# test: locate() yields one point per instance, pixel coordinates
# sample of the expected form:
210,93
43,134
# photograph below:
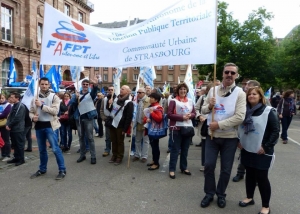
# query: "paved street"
105,188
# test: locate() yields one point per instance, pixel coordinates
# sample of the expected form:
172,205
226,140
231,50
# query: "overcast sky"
287,12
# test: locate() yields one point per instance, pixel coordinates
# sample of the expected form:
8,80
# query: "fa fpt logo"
72,32
69,33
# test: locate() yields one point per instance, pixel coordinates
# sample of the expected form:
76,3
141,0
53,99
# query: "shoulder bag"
109,119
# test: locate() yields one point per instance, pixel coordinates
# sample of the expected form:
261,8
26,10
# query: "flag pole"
215,67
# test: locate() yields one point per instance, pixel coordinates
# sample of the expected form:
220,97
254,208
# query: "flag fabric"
159,40
60,74
167,89
75,72
199,84
103,91
117,80
268,94
179,79
33,66
52,76
148,75
12,72
42,74
189,81
31,91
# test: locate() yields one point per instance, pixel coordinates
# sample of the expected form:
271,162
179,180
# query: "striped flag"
189,81
148,75
117,80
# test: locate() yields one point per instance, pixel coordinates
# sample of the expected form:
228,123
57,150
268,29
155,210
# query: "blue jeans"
285,124
107,140
42,135
179,143
95,126
85,130
133,144
66,135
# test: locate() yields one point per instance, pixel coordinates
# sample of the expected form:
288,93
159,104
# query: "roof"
118,24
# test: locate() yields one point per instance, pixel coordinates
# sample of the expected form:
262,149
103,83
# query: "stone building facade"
21,32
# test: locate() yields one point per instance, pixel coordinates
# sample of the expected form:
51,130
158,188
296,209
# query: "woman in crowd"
65,129
156,116
5,108
181,111
286,110
258,135
202,126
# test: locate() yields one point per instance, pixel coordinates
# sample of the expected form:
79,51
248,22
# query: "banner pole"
215,66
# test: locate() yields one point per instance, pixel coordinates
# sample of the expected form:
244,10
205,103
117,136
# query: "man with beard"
104,113
121,110
229,105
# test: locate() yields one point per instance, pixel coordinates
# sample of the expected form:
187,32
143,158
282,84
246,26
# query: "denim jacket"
74,101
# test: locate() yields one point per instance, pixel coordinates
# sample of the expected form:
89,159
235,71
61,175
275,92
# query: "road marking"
294,141
166,163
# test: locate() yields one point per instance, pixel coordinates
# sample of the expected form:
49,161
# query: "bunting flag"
42,74
117,80
268,94
189,81
31,91
12,72
148,75
53,79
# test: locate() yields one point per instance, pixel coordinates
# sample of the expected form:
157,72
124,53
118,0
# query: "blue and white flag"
52,76
190,83
31,91
117,80
268,93
12,72
148,75
59,74
33,66
75,72
42,74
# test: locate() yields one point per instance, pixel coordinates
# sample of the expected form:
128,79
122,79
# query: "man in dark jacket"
99,120
121,109
15,124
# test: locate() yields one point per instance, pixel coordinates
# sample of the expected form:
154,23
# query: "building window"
159,68
5,71
80,17
182,76
67,9
135,77
182,67
135,68
105,68
194,67
96,68
105,77
171,67
6,23
125,68
170,77
158,77
114,68
39,32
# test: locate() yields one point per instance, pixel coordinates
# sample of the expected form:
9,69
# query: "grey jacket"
16,119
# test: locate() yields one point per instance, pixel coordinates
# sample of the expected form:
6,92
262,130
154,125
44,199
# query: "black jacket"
16,119
269,140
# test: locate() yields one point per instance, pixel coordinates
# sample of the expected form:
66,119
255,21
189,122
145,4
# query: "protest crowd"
224,116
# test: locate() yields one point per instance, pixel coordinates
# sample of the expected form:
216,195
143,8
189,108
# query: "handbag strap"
118,110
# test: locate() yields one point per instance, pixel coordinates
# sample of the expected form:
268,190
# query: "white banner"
184,33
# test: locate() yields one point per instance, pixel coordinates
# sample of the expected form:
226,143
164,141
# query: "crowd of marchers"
225,116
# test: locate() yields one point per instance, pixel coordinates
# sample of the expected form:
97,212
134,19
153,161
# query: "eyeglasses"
139,92
85,84
231,72
110,89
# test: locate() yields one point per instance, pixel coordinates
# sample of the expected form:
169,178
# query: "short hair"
110,86
231,64
156,96
85,81
44,79
16,94
253,83
288,93
259,91
182,85
67,94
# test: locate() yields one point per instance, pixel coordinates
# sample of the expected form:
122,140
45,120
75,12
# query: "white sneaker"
131,153
96,134
6,159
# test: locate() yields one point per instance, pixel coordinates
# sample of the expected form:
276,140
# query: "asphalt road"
105,188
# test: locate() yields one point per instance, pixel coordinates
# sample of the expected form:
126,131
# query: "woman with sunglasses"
181,111
258,135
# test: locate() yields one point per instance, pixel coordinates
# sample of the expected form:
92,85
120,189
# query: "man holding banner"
84,116
229,103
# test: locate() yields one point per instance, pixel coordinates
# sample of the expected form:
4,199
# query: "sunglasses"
85,84
231,72
140,92
110,89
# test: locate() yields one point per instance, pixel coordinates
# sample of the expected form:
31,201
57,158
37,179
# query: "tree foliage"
249,45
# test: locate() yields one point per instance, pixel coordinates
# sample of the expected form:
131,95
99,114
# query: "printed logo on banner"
220,109
70,32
